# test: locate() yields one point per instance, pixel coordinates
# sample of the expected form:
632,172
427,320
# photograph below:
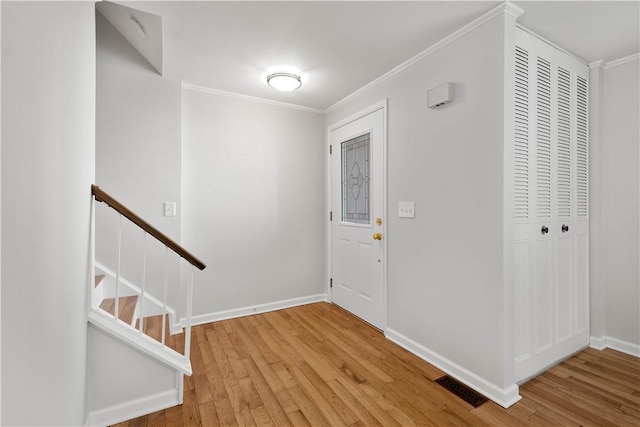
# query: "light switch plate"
406,210
169,208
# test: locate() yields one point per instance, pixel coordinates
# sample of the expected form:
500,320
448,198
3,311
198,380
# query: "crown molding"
512,9
250,98
506,7
597,64
601,63
621,61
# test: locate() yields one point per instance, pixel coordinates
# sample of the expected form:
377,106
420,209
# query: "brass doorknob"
377,236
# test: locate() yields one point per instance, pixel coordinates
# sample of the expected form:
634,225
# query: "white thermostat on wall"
440,95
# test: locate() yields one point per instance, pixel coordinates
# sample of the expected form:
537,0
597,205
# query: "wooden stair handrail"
102,196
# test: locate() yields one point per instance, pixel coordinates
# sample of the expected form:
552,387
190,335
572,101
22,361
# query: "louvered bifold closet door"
550,205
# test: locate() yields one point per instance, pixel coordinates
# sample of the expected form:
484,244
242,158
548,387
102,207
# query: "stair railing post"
116,310
187,332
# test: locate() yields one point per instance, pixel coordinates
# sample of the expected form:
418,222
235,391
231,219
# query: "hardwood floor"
318,365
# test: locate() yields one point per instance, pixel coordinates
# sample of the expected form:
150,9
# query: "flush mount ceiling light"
284,82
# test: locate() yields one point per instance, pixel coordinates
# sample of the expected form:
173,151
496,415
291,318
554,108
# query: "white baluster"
117,304
164,294
144,280
187,336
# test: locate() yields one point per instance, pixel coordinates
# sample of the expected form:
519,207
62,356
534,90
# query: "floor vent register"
462,391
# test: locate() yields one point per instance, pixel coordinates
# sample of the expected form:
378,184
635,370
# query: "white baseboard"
623,346
133,409
599,343
201,319
504,397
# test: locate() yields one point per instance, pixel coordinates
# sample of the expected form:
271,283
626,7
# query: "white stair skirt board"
141,342
135,408
600,343
504,397
202,319
152,305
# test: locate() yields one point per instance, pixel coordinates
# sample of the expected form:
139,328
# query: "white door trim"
381,105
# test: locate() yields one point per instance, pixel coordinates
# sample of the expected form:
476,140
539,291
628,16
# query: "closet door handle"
565,228
544,229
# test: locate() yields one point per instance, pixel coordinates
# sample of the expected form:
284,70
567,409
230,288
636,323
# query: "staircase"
133,313
139,345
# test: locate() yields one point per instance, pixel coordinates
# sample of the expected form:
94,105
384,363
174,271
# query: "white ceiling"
591,30
340,46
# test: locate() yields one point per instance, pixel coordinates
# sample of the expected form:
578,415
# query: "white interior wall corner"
621,203
252,182
596,257
510,28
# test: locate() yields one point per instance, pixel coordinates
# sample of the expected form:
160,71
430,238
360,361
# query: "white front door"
357,227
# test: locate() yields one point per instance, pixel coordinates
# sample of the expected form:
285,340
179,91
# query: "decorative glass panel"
355,180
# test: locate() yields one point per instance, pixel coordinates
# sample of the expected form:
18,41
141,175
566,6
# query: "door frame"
381,105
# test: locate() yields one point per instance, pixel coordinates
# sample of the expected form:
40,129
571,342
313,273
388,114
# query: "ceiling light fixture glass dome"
284,82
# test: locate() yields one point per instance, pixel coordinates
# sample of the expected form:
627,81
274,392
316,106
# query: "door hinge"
331,283
330,149
331,216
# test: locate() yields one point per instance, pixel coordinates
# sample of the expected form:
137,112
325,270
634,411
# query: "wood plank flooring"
318,365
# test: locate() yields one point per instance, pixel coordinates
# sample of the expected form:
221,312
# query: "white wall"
0,211
138,132
445,280
121,378
621,195
597,330
48,123
252,196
